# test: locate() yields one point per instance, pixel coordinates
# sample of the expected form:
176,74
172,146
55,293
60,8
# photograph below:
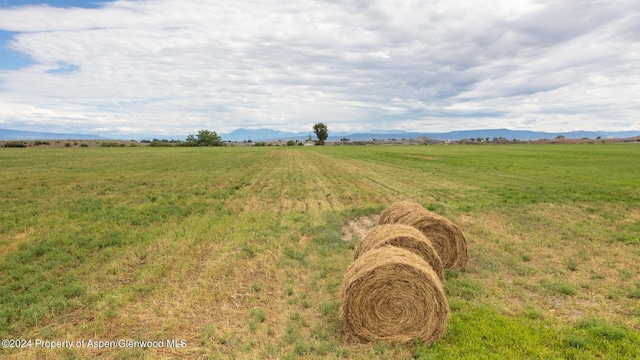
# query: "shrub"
205,138
160,144
15,144
558,287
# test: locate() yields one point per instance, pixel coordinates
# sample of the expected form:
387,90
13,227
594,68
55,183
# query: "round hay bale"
402,236
448,240
392,295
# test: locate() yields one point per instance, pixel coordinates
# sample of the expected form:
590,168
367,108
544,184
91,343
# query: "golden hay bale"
391,294
445,236
403,236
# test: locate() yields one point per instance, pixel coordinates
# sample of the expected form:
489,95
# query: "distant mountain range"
241,135
6,134
272,135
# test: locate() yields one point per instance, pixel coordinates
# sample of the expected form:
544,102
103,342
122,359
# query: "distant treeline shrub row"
203,138
15,144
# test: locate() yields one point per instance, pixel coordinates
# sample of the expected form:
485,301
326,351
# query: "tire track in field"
324,191
344,183
216,291
279,184
294,189
260,187
205,281
364,182
406,183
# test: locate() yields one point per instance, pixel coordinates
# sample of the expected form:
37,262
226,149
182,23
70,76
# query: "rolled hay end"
391,294
447,238
403,236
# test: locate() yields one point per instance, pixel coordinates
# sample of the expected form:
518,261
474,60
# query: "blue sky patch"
9,58
64,68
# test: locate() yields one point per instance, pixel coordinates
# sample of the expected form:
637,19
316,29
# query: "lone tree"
205,138
321,132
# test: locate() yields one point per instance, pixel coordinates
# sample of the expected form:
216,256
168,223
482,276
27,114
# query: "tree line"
202,138
211,138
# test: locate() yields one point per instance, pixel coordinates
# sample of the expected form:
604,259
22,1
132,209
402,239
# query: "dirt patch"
12,246
304,240
633,216
359,227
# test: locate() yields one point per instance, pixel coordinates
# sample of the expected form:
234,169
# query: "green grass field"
240,252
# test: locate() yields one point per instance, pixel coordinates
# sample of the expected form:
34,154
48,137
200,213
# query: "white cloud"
176,67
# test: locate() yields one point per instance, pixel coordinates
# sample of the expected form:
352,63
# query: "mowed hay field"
240,252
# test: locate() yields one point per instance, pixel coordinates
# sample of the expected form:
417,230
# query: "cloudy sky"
174,67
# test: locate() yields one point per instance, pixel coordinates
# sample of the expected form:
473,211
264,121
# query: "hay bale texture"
402,236
448,240
391,294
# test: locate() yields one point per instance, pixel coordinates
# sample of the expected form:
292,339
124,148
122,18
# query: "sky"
121,68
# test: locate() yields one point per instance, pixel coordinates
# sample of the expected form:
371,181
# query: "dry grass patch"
10,245
632,216
359,228
523,265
